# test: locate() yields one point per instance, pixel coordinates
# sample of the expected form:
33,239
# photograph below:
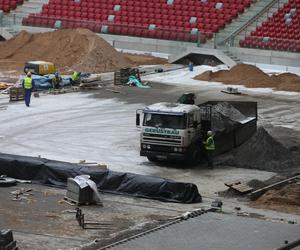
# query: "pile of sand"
252,77
69,49
140,59
285,199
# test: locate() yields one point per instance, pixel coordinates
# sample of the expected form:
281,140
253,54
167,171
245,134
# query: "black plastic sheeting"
56,173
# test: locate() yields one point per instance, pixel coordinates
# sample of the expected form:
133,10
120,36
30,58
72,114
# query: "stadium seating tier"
281,31
177,21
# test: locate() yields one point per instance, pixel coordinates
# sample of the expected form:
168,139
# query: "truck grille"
162,139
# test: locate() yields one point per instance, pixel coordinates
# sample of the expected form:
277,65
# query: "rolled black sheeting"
55,173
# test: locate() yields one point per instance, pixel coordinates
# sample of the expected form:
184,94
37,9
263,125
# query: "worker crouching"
56,81
28,85
209,145
75,78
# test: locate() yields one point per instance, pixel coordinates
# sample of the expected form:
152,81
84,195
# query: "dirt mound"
69,49
286,199
263,152
138,59
252,77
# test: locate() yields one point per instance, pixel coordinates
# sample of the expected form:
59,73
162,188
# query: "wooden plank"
229,184
239,186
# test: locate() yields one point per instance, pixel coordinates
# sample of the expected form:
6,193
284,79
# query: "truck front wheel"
152,158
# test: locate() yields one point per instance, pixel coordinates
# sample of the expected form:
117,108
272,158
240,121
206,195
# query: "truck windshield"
165,121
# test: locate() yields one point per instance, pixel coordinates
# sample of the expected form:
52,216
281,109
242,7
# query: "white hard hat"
209,133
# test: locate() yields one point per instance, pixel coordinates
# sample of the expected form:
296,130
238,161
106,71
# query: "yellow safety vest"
28,83
74,77
210,144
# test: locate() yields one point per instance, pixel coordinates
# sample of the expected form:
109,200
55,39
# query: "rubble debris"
21,194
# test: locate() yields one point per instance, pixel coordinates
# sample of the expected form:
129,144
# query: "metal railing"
230,41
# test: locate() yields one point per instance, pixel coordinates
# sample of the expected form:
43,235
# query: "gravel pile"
263,152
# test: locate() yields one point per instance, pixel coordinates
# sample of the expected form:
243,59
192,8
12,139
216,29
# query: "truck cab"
170,131
175,131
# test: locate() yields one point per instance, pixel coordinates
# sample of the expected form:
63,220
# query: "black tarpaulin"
55,173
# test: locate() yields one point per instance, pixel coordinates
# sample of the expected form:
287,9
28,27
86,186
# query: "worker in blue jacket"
28,85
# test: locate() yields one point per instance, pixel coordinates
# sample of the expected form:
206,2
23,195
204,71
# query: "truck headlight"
144,146
148,147
180,150
175,149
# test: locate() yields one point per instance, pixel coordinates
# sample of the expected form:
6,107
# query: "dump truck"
175,131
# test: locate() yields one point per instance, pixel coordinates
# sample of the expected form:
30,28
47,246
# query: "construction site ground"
99,126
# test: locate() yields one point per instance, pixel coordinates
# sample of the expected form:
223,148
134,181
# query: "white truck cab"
170,131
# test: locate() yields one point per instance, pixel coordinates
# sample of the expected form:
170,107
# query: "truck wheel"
152,158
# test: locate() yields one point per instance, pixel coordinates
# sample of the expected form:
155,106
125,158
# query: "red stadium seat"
283,37
173,19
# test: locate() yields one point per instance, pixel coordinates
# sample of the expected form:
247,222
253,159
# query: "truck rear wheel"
152,158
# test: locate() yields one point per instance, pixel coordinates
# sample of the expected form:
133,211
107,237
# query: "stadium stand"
6,5
281,31
171,20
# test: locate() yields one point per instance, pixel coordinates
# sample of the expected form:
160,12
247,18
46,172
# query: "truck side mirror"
137,119
195,124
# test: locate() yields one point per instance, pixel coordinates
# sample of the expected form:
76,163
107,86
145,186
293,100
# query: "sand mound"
286,199
263,152
69,49
140,59
252,77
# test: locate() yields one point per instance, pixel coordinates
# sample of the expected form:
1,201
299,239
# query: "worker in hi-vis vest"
75,78
28,85
209,145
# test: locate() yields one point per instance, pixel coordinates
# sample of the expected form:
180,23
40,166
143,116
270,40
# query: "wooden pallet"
239,186
16,94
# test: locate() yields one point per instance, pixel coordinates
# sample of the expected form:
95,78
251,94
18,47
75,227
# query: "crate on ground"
16,94
121,77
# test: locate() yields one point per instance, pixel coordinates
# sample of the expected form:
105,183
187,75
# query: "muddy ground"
44,217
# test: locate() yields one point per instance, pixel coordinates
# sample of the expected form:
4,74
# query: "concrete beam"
5,34
203,51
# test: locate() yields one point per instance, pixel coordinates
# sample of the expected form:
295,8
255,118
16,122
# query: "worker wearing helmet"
28,85
209,145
